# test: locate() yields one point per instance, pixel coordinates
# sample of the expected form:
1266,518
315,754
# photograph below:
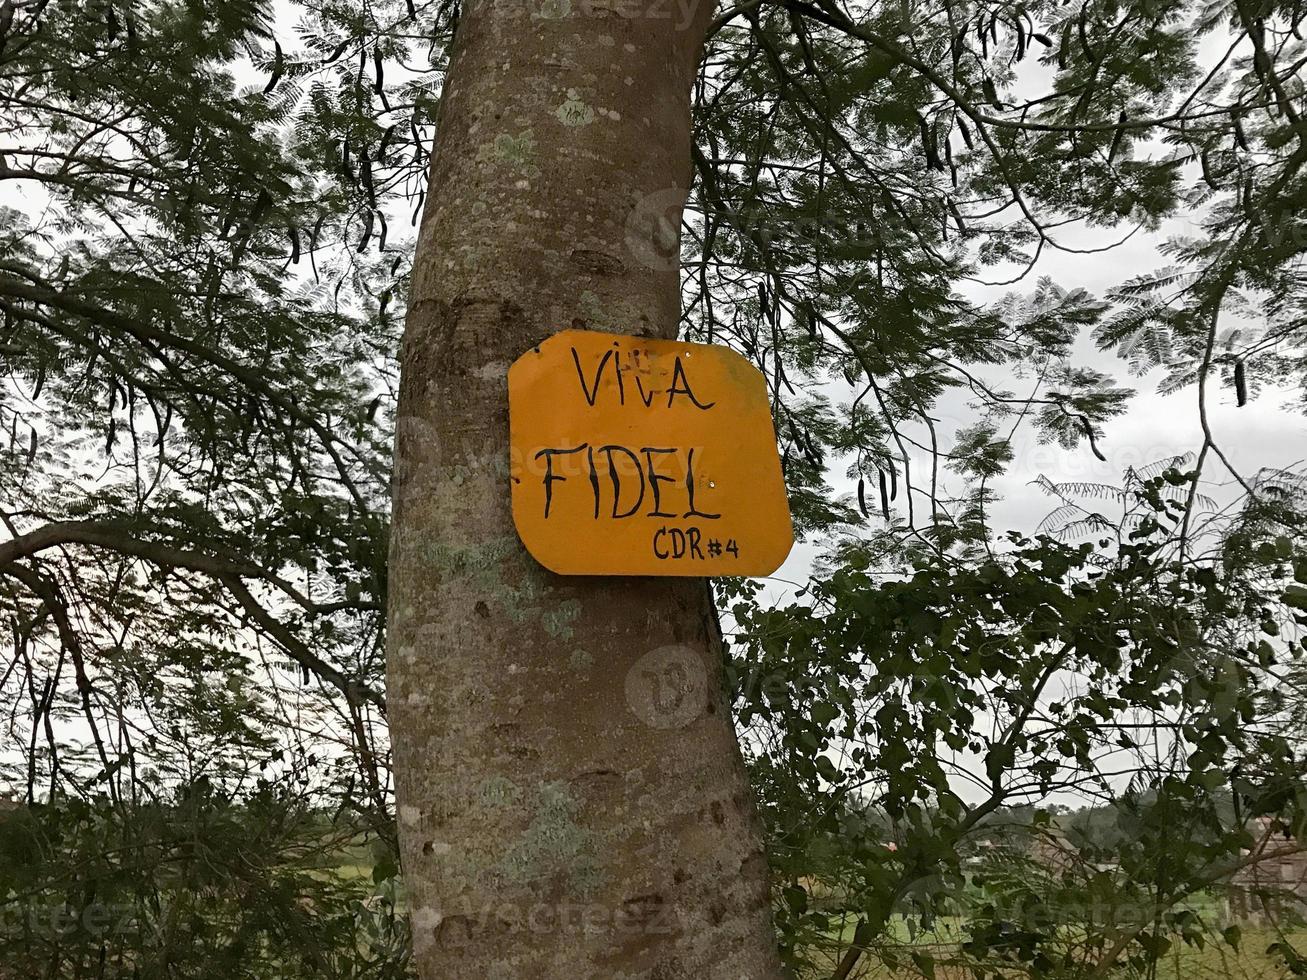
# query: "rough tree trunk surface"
571,797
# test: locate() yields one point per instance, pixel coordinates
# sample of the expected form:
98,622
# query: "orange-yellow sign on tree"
645,457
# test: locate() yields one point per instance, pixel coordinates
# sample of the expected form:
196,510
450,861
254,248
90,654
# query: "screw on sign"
633,456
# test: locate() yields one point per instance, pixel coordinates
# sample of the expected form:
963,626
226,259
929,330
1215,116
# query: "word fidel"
640,478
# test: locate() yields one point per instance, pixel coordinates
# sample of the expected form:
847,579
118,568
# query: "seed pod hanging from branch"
337,51
6,21
928,143
1117,137
1239,136
278,63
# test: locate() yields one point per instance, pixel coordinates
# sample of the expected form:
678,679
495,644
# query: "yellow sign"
645,457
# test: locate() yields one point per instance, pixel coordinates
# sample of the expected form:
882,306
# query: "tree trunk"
571,797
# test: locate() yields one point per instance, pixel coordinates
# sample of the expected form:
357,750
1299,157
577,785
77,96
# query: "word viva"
680,383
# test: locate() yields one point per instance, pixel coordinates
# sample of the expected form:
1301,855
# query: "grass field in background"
1215,961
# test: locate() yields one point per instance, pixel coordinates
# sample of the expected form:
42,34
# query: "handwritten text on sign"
645,457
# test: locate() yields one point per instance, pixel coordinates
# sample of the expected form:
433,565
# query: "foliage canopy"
203,266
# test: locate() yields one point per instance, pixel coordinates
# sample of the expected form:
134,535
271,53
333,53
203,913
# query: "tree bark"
571,797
